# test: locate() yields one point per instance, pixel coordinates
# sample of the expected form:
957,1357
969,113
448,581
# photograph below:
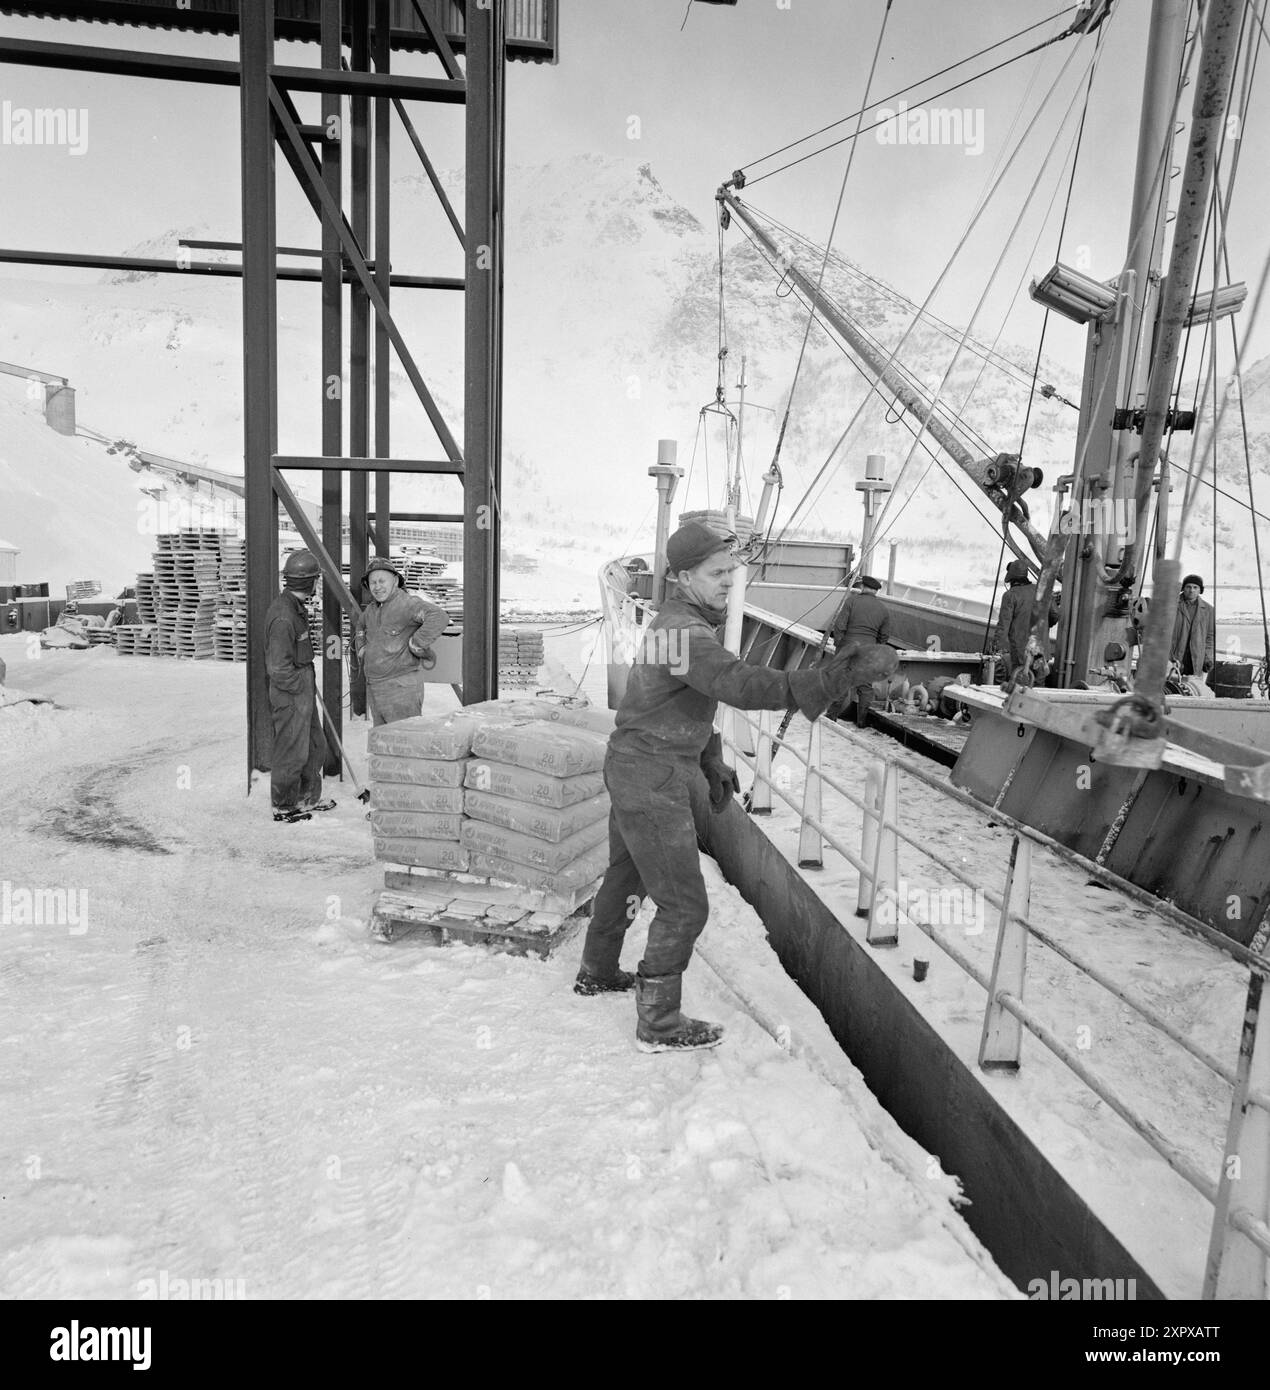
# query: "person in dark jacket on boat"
1014,622
1194,646
299,745
862,618
394,643
665,765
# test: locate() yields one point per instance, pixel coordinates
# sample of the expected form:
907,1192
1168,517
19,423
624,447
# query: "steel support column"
260,418
331,386
482,424
359,325
383,347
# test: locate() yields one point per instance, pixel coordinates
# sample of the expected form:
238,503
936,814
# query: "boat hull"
1175,830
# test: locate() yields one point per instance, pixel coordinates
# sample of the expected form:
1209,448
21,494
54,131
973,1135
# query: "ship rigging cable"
1069,32
965,236
880,528
833,227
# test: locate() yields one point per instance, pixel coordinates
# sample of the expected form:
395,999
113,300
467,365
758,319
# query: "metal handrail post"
1002,1041
886,874
1237,1266
872,811
761,790
811,848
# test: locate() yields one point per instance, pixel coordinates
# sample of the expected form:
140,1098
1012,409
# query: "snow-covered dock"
217,1085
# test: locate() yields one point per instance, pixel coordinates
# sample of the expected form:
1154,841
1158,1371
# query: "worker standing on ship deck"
862,618
665,763
1194,646
394,643
299,745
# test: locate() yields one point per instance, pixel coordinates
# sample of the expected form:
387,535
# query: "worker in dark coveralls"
1194,646
1014,623
665,763
394,642
299,746
862,619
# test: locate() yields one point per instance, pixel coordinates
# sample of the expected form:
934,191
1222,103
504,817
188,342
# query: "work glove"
721,776
422,651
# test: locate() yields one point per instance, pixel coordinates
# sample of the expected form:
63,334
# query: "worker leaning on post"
299,745
394,643
665,762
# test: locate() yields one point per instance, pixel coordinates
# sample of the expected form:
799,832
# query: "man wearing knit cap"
1194,646
665,763
863,618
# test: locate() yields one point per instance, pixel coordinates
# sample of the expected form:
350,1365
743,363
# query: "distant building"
8,563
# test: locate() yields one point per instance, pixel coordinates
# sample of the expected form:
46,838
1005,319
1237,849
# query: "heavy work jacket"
1194,635
863,617
385,629
288,646
682,671
1014,622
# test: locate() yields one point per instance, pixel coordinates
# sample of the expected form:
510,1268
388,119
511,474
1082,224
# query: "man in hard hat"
862,619
299,745
665,764
394,643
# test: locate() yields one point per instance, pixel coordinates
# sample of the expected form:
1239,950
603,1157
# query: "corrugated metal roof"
531,24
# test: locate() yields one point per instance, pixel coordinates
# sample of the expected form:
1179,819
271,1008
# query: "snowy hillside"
611,344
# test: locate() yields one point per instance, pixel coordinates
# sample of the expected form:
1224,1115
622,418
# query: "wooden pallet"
531,934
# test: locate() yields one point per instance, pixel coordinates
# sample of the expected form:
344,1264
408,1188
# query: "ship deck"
1158,1217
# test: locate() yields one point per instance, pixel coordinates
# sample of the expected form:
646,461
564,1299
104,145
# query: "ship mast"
1102,576
1117,362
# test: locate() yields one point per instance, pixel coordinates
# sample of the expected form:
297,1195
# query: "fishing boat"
1087,741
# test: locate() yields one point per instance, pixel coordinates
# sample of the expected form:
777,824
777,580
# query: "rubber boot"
617,983
863,703
660,1027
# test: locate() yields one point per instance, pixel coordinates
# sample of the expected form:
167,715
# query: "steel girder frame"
483,394
269,117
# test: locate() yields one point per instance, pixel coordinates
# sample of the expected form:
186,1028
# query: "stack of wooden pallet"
520,655
135,639
492,823
229,635
146,613
180,604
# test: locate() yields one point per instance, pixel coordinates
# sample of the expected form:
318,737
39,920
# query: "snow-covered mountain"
611,343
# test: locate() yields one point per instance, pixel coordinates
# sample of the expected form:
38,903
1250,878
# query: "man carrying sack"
665,762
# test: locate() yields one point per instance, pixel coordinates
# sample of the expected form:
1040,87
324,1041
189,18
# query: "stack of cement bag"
511,791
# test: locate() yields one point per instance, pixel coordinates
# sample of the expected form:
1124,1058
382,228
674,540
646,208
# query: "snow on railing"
1238,1264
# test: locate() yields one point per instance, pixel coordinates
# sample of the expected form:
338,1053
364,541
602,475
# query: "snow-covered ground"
210,1073
1155,1213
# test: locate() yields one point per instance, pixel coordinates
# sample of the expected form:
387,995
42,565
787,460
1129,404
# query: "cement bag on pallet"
415,825
525,849
541,747
423,854
392,796
599,721
537,788
419,772
580,874
425,736
542,822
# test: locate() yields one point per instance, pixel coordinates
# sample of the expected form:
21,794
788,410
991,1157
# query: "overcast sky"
733,85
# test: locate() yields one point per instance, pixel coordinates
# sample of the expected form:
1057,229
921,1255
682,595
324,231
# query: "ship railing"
1238,1262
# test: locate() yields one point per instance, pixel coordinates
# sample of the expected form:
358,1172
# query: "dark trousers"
299,747
658,808
395,697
